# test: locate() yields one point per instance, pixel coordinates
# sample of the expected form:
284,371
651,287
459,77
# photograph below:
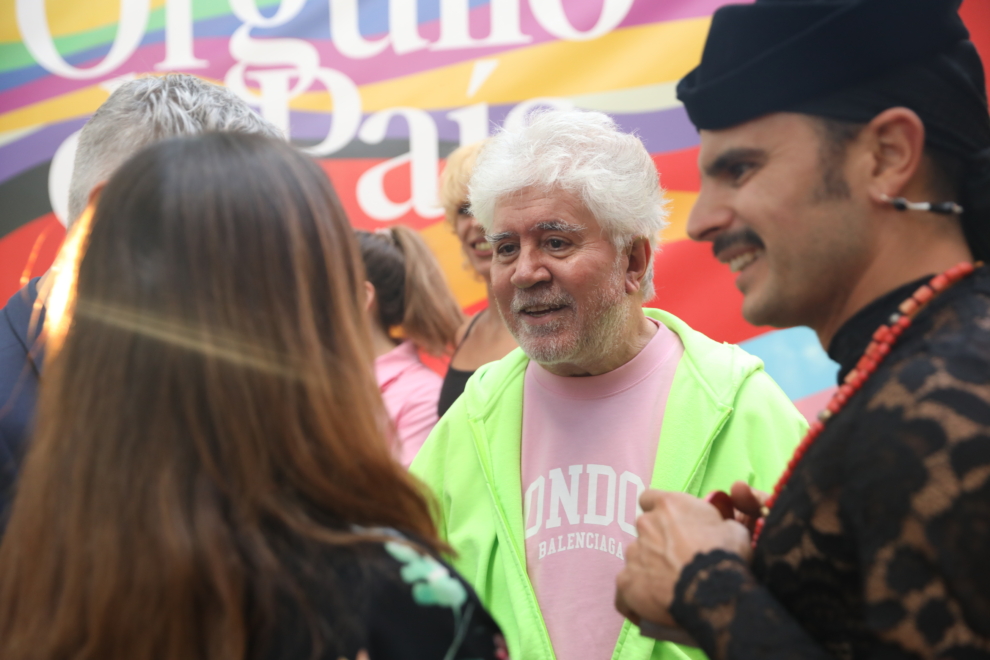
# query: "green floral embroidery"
432,584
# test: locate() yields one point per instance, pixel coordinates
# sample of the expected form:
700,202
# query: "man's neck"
891,269
637,333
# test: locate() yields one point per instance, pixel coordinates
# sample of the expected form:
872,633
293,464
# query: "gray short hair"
585,154
147,110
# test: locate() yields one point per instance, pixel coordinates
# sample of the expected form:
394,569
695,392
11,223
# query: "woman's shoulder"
406,602
427,610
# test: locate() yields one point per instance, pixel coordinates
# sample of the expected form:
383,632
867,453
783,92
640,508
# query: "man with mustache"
845,159
538,465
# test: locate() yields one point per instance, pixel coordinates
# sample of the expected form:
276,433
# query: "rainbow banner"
379,91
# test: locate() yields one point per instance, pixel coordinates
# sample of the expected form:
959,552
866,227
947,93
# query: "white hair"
148,110
582,153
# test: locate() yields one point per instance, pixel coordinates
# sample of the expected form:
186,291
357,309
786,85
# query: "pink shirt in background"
411,391
588,450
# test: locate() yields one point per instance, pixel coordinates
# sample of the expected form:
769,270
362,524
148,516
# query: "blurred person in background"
210,477
537,467
845,160
407,295
138,113
484,337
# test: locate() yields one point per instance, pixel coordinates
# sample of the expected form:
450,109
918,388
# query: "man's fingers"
747,500
723,502
649,499
622,582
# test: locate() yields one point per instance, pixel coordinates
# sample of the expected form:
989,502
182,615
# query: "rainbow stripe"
629,72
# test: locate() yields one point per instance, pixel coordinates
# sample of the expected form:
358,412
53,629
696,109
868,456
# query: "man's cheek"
501,286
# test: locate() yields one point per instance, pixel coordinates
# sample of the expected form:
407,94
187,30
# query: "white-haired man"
137,114
538,466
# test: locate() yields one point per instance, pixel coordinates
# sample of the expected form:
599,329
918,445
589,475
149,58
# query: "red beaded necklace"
883,340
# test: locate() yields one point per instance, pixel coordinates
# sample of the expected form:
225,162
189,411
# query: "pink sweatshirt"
588,450
410,390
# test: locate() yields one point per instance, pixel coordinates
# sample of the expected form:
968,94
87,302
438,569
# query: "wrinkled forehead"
535,210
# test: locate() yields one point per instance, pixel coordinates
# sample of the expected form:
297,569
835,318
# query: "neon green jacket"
725,420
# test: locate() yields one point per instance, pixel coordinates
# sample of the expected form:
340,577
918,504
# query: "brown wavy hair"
213,396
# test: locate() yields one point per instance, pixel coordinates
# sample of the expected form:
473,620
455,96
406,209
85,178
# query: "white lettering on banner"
247,11
559,494
592,517
179,38
403,28
303,61
423,157
455,33
534,488
63,162
473,120
625,480
37,37
59,176
550,15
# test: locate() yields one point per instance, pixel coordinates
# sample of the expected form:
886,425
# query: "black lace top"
879,546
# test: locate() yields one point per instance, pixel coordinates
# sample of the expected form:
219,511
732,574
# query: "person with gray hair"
538,466
135,115
147,110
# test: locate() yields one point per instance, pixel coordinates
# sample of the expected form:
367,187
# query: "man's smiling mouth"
739,262
538,311
739,248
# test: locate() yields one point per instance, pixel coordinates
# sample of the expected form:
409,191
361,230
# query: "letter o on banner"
60,175
37,37
247,11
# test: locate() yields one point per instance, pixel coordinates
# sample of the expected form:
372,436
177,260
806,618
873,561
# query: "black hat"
768,56
850,60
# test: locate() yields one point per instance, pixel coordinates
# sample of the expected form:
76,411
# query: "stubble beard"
783,302
590,336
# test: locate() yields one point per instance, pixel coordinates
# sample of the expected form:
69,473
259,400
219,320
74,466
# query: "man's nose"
709,216
529,269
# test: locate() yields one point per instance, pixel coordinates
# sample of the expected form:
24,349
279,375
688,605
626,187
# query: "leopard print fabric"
879,546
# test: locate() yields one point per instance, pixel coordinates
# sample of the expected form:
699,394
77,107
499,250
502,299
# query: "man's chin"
545,350
766,310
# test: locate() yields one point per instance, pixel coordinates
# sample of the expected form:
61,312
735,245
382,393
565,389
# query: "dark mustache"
743,236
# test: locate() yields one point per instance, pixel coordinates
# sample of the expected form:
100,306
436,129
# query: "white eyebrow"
558,225
501,236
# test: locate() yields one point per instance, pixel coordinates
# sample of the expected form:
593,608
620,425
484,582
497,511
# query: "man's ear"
897,144
639,252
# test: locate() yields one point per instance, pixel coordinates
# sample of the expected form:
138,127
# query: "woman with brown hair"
484,337
209,477
407,295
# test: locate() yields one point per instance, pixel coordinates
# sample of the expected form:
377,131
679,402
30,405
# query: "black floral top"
380,601
879,546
